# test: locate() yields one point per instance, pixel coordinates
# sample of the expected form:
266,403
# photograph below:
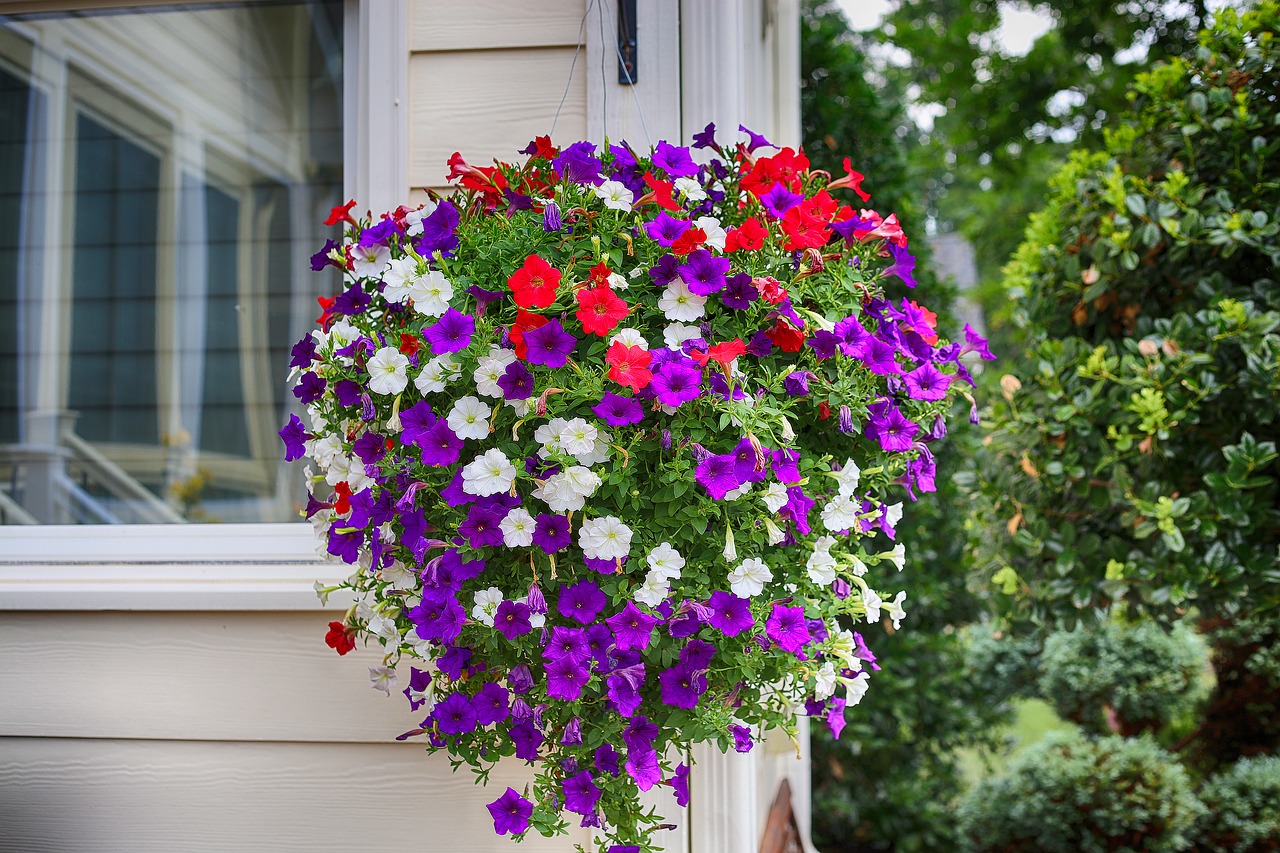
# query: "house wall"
168,690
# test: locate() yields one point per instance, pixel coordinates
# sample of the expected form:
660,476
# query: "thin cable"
604,78
578,47
648,138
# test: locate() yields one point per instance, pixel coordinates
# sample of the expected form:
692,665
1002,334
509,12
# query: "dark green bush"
1070,794
1242,813
1125,679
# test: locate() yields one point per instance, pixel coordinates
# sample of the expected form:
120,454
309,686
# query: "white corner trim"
162,567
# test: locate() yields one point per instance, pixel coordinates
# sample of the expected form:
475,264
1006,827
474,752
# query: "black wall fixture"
627,65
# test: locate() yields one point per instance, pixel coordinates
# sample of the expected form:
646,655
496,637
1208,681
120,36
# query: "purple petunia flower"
778,200
760,346
643,767
527,739
786,626
321,259
639,734
835,716
512,619
797,509
516,382
551,533
440,445
697,654
706,138
717,474
294,438
580,793
455,715
566,679
742,741
491,704
310,387
345,546
739,292
823,344
674,160
581,602
352,301
451,333
616,410
303,352
416,422
510,813
568,643
676,383
926,382
757,141
880,358
607,760
730,615
632,627
681,686
664,272
438,231
549,345
551,219
623,688
796,384
665,229
890,427
578,163
520,679
973,342
572,733
370,447
480,528
703,272
680,785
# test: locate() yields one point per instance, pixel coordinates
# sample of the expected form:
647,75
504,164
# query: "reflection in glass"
163,180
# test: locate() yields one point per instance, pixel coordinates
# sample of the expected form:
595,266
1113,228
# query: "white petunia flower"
680,304
773,532
486,601
898,556
399,275
617,282
431,294
325,449
413,219
653,591
690,189
490,368
385,628
577,437
489,474
399,576
369,261
824,682
893,514
716,235
469,418
559,494
615,196
517,528
599,451
872,602
749,578
437,374
582,480
629,338
774,497
847,477
604,538
388,371
382,678
855,689
665,561
821,565
677,333
741,491
840,513
342,334
858,567
895,611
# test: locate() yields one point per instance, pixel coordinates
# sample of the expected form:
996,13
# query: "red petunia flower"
824,411
750,236
785,337
340,638
722,354
659,192
600,309
342,505
535,283
326,311
688,241
341,213
526,321
853,181
409,344
599,274
629,366
804,230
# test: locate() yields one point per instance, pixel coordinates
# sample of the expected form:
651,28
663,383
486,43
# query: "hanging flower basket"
616,444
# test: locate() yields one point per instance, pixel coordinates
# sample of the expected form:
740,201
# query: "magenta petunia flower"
718,475
730,615
632,627
786,626
568,643
549,345
835,716
681,685
511,813
491,704
451,333
581,602
926,382
616,410
566,679
890,427
580,793
676,383
665,229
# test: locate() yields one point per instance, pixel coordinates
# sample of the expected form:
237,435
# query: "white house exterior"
163,684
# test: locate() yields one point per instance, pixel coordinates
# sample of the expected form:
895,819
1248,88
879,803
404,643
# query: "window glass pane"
164,176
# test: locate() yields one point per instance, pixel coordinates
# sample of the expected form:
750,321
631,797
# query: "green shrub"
1069,794
1146,676
1242,809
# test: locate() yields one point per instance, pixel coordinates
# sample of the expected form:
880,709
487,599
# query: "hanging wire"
644,125
577,48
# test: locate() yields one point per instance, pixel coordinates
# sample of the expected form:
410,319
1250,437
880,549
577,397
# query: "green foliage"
1242,809
1133,461
1069,794
1127,679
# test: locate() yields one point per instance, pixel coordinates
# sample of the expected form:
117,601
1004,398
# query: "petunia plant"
616,444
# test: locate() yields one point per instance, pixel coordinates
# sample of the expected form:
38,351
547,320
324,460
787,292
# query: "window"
164,174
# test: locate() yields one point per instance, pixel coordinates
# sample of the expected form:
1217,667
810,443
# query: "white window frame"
226,566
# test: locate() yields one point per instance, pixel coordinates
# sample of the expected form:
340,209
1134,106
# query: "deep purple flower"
480,528
903,266
303,352
566,679
742,741
438,231
454,661
797,509
665,229
519,679
786,465
455,715
549,345
880,358
580,793
551,533
835,716
578,163
676,383
717,474
310,387
739,292
643,767
321,259
854,339
511,813
616,410
796,383
416,422
516,382
345,546
294,438
665,271
567,642
703,272
551,219
786,626
512,619
680,785
370,447
823,344
706,138
527,739
632,627
581,602
674,160
778,200
572,732
681,686
607,760
760,346
352,301
730,615
757,141
491,704
697,654
451,333
639,734
846,420
623,688
890,427
926,382
440,445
